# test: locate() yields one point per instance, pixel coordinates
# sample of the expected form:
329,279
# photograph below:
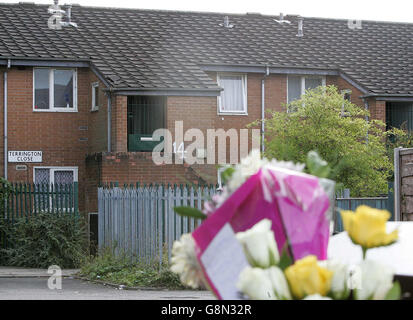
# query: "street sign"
25,156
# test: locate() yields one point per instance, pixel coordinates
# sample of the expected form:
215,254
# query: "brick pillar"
377,110
120,124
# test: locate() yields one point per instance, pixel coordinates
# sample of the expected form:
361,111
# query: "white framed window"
95,96
298,85
52,175
54,90
346,96
233,98
55,179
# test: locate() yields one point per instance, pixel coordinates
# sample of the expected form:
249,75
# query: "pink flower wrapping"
294,202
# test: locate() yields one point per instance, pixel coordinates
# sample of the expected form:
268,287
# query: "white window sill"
232,113
54,110
94,109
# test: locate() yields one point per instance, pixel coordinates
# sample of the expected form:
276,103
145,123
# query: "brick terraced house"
89,98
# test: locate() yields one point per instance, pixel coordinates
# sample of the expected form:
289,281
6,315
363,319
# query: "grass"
120,269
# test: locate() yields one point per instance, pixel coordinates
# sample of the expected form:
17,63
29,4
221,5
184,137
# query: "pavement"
15,272
32,284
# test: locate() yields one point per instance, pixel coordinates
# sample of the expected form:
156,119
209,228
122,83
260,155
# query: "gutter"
389,97
204,92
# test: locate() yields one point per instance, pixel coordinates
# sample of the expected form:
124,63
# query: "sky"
390,10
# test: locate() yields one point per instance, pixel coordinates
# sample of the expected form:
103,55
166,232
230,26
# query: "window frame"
51,91
302,78
344,92
53,169
244,77
94,106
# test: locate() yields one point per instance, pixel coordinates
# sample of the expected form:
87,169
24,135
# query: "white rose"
248,166
339,287
316,297
279,283
263,284
376,281
259,245
254,283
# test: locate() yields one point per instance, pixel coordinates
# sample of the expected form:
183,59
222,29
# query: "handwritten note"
223,261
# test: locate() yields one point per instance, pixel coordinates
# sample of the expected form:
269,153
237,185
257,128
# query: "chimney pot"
300,27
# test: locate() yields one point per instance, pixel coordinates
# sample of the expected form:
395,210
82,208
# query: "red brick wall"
275,92
62,140
60,135
97,121
2,122
202,112
119,124
342,84
377,109
92,181
129,168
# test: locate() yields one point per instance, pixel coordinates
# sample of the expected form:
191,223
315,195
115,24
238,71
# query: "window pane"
63,177
232,98
347,96
63,89
96,94
42,176
312,83
41,88
294,88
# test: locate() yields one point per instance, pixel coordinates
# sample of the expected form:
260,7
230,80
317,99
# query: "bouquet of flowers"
265,237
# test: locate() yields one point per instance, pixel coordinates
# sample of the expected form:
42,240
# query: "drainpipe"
267,73
5,120
109,94
366,107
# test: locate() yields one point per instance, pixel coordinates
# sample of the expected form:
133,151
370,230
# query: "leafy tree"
398,137
323,120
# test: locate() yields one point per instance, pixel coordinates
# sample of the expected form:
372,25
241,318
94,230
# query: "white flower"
263,284
184,262
254,283
376,281
216,201
248,166
259,245
316,297
339,288
279,283
287,165
251,164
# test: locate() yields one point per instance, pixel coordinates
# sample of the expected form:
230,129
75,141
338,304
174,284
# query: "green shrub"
5,188
44,240
121,269
324,121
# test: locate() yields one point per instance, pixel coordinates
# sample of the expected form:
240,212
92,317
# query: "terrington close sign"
25,156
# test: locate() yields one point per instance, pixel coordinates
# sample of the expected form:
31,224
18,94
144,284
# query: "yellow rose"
306,277
367,227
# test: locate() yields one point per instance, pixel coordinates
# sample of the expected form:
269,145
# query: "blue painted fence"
345,202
